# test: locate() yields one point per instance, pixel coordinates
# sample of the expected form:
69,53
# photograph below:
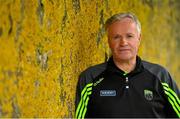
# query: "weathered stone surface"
45,44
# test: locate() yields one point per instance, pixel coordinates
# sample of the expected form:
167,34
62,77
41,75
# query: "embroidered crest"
148,94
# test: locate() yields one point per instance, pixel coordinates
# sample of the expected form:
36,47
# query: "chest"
120,96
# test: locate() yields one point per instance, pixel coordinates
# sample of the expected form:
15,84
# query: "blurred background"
45,44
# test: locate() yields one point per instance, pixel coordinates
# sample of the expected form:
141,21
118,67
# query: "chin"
123,57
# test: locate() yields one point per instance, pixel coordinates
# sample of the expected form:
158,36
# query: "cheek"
112,45
137,47
134,45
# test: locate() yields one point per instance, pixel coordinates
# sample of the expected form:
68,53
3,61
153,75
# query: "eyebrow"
120,34
131,33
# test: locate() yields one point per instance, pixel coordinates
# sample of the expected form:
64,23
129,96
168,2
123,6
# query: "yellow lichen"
45,44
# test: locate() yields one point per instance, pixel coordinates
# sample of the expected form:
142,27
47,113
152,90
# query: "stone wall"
45,44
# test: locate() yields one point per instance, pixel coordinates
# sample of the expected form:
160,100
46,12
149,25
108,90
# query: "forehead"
125,24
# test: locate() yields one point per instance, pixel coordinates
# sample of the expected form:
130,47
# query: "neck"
126,66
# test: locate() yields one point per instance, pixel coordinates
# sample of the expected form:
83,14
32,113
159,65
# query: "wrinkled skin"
124,40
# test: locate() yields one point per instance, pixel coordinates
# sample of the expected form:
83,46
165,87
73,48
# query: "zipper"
126,80
127,83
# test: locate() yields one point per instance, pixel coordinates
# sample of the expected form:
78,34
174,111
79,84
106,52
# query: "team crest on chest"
148,94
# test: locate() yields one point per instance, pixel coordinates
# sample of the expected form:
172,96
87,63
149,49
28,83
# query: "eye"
129,36
116,37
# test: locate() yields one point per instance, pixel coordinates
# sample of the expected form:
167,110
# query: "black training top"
106,91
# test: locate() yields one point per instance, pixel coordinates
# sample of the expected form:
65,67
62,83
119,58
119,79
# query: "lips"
124,50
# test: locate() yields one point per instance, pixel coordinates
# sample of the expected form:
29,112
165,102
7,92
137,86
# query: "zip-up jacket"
106,91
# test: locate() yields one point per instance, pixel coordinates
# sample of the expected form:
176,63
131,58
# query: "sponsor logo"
108,93
99,81
148,94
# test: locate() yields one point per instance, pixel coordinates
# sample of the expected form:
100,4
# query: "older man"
125,85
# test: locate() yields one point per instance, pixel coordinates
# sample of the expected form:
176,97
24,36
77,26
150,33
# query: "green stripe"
82,93
175,105
165,84
178,114
83,104
171,91
84,111
78,108
86,103
87,87
172,98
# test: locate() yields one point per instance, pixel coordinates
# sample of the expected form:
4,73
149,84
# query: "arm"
83,91
172,93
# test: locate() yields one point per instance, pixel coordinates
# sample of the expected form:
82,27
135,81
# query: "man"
126,86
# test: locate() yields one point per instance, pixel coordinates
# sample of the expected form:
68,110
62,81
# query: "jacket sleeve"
172,93
83,91
79,88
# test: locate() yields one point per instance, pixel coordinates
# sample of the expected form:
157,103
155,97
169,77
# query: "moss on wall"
45,44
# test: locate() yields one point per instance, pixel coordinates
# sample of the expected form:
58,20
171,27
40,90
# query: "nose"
123,42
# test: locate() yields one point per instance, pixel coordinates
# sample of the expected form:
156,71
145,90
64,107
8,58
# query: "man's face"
123,39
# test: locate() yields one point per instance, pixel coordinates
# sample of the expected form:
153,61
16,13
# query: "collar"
111,67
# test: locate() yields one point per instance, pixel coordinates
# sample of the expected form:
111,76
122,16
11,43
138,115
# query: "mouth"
122,50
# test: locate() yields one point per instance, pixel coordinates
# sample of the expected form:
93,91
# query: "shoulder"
157,70
94,70
153,67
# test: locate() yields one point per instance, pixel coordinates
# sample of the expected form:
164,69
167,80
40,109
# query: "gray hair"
120,16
